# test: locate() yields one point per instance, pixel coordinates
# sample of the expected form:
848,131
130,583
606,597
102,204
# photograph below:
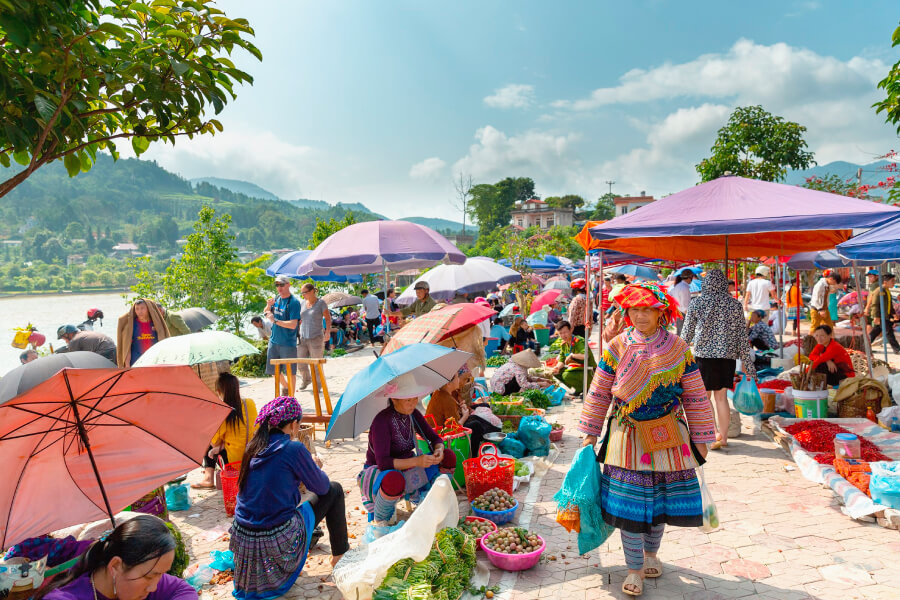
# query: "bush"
253,365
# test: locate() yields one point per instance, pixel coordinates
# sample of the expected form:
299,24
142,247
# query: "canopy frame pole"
779,285
884,321
82,434
866,343
799,305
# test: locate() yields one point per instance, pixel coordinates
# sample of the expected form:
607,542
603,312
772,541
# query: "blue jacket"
271,492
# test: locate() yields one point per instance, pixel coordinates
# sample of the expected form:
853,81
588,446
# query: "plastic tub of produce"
499,517
514,562
481,520
556,432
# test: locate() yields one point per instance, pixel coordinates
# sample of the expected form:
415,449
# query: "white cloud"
428,169
535,154
514,95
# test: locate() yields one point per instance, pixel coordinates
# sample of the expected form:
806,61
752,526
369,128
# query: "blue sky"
382,102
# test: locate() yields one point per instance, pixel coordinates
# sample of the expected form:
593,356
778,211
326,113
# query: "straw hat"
526,359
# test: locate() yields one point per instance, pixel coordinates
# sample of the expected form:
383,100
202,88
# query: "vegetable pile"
478,529
497,360
513,540
494,499
817,436
555,426
521,469
537,398
443,575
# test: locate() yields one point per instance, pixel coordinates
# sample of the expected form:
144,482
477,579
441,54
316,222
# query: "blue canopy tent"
538,265
826,259
287,265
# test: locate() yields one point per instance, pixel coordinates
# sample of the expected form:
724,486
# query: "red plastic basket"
230,486
486,471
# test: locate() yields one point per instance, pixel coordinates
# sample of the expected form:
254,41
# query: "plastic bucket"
230,486
810,405
542,336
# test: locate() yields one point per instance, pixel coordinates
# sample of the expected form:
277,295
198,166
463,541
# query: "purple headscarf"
280,410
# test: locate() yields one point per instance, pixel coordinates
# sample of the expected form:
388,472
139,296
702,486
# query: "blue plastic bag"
534,432
223,560
581,488
747,400
512,446
884,485
177,497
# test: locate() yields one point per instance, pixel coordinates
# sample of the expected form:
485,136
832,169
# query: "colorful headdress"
280,410
649,294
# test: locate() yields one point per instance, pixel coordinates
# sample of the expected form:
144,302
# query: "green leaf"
22,157
73,165
45,107
85,161
114,30
179,67
176,34
140,144
4,160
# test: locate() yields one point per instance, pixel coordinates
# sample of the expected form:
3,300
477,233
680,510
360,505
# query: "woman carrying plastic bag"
659,424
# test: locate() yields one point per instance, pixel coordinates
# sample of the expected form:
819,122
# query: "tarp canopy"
879,244
694,224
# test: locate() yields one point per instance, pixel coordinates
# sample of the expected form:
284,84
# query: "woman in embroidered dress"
658,427
394,467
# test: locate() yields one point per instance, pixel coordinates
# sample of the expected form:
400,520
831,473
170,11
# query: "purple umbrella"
378,245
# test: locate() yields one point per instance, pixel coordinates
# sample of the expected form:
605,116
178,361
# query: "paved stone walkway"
782,537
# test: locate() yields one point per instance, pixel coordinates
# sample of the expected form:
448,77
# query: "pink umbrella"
544,299
86,443
851,298
374,246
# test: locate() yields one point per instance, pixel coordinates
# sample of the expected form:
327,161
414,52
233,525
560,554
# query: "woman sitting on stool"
829,357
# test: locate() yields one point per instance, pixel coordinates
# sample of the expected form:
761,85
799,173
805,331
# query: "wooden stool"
317,375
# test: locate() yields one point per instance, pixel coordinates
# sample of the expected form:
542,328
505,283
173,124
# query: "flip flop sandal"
652,562
201,486
635,580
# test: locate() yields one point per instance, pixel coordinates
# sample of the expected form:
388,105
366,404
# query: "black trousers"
371,324
831,378
888,335
210,463
331,508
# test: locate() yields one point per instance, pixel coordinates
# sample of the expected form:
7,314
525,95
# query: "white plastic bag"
778,322
710,514
361,570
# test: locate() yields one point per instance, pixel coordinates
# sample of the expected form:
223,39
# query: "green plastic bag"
581,488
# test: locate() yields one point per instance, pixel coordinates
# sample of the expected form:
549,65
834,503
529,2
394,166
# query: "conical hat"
527,359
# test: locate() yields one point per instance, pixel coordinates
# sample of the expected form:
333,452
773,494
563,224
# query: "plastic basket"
515,562
556,434
498,517
470,518
230,486
488,470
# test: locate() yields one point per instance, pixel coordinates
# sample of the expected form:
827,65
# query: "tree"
835,184
463,187
74,231
568,201
324,229
78,75
605,209
491,205
890,106
758,145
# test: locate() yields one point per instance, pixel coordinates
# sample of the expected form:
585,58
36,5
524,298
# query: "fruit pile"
494,499
513,540
817,436
478,529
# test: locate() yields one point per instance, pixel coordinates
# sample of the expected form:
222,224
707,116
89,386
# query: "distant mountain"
313,204
251,190
872,173
439,224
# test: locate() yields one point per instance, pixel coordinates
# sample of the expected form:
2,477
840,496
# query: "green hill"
441,224
246,188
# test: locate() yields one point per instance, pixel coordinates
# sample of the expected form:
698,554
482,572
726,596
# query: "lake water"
48,312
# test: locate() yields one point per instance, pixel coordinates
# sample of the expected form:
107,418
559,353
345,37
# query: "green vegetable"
443,575
521,469
498,360
180,563
537,398
509,427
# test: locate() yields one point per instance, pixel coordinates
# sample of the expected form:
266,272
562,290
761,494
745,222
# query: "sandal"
718,445
652,562
636,581
203,486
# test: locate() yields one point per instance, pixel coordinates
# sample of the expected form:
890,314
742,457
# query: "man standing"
681,291
885,326
263,328
372,312
86,341
284,315
423,304
760,291
818,304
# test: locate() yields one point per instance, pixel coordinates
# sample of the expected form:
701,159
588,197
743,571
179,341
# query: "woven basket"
856,406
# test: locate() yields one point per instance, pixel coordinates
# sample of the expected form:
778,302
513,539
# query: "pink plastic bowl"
482,520
513,562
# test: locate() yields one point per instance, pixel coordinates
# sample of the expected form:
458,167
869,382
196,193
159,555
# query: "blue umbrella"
637,271
508,309
411,371
287,265
695,270
696,286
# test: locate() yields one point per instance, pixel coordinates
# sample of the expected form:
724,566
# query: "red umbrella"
86,443
544,299
439,325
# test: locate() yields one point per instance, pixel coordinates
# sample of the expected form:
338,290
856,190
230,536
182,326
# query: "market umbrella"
412,371
880,244
86,443
374,246
725,217
509,309
196,348
197,318
541,317
288,263
695,270
636,271
544,299
439,325
340,300
562,285
23,378
475,275
850,298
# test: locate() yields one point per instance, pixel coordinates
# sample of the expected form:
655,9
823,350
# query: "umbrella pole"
866,343
387,321
884,322
779,285
82,433
799,306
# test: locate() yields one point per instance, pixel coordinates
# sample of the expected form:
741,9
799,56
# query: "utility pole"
610,184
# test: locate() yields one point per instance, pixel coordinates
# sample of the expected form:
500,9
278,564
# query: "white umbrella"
475,275
195,348
340,300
